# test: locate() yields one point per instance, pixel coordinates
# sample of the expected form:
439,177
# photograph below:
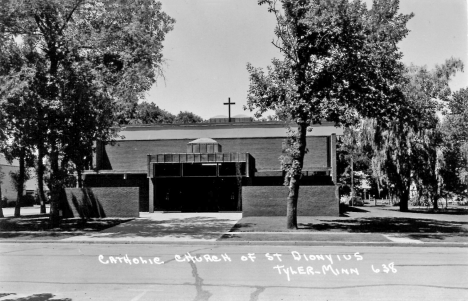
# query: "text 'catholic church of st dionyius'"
222,165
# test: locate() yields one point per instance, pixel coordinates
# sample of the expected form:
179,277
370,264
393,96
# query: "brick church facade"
216,166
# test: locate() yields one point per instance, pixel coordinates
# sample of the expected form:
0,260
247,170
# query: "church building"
226,164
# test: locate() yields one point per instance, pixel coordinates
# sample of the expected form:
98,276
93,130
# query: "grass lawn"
366,220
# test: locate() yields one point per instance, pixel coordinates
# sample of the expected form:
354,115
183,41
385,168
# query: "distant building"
8,189
217,166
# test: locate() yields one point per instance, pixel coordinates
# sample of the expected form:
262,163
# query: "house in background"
215,166
8,189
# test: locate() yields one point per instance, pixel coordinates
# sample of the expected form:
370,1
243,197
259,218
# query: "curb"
248,243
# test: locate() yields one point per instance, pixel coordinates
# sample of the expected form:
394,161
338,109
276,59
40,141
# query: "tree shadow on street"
37,297
447,211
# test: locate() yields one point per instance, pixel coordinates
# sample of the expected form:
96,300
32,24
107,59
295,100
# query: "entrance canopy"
200,165
202,159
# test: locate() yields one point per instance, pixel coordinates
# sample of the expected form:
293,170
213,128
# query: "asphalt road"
54,271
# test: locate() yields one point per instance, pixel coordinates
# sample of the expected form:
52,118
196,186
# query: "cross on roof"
229,104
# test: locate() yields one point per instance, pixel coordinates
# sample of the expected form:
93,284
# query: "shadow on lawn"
242,226
438,237
345,208
449,211
388,225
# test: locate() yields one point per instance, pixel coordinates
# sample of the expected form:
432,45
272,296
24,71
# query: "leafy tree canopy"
149,113
340,61
187,117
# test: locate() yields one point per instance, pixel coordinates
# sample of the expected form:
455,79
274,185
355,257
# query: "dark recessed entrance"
197,194
202,180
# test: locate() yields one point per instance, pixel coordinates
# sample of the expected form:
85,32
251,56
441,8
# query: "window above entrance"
200,170
201,165
204,146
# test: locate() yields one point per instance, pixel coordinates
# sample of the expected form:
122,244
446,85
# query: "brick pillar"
333,158
151,195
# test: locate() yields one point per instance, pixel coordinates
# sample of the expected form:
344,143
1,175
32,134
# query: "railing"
198,157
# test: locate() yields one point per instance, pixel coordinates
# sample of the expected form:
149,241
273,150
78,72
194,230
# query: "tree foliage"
187,117
417,153
95,59
149,113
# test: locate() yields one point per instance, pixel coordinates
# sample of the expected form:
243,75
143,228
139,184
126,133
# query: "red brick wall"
125,155
271,201
101,202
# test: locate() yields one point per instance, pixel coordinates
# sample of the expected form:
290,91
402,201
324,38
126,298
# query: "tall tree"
340,61
113,47
454,133
414,153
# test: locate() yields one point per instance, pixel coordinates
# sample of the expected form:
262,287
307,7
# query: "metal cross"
229,104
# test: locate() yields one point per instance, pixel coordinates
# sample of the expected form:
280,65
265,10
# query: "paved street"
80,271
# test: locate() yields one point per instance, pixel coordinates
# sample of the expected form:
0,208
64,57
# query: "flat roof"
220,130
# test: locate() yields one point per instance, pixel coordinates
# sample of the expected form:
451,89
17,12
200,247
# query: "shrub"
8,203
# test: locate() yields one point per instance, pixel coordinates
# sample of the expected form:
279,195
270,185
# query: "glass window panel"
167,170
199,170
228,169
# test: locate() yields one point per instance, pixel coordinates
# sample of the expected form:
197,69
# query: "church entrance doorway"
197,194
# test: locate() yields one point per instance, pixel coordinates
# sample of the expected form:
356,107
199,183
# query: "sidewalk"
36,209
361,226
167,227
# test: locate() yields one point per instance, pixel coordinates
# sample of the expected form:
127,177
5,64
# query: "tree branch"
67,19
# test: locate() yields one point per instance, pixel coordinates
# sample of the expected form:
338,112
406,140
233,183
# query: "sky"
213,40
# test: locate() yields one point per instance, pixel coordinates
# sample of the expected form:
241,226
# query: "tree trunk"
352,180
404,198
378,188
55,189
79,176
291,208
435,203
20,183
1,202
291,213
40,178
437,168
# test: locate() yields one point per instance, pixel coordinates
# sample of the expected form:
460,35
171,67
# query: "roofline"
217,124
